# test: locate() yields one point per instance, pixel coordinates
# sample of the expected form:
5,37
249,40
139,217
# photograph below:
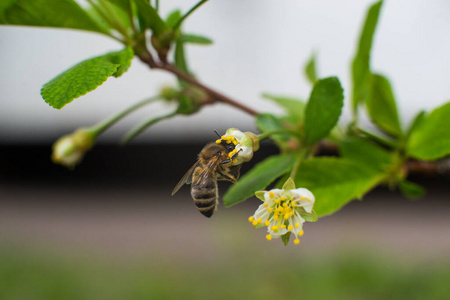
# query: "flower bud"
70,149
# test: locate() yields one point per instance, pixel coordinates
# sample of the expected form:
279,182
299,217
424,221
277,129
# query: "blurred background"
110,230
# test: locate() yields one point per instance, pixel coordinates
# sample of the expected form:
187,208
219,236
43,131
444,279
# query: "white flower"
284,210
245,144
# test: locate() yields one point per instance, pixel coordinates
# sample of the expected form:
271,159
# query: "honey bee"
214,163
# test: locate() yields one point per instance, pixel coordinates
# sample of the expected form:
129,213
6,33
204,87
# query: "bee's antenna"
217,133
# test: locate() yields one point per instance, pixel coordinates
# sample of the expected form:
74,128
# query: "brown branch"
147,58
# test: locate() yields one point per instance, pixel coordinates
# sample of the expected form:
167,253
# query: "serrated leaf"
323,109
382,107
47,13
293,107
258,178
410,189
285,238
366,153
195,39
335,181
85,77
361,61
149,18
310,69
430,139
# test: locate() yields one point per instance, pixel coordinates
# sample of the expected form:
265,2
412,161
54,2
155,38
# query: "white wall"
260,46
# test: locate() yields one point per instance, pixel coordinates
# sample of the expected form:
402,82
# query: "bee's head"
227,141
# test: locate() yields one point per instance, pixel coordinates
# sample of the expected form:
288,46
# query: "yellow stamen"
285,205
290,227
283,226
296,241
286,216
270,209
301,233
271,194
275,217
266,204
266,223
234,161
274,228
219,141
297,225
259,220
277,201
268,237
251,219
255,223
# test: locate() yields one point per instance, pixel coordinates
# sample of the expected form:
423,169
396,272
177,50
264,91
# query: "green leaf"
323,109
180,58
47,13
268,123
149,17
173,18
195,39
258,178
430,139
310,69
285,238
366,153
85,77
361,61
415,123
410,189
381,106
123,4
293,107
335,181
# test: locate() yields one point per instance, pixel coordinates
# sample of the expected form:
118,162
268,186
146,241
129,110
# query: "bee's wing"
187,178
208,170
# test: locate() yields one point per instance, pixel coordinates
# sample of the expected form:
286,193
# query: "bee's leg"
231,159
227,177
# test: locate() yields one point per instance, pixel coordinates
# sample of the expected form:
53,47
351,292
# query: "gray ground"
126,223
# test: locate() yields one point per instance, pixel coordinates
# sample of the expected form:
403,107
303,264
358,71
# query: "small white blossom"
284,210
245,144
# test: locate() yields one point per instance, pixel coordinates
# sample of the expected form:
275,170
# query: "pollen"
251,219
296,241
283,226
266,223
268,237
271,194
259,220
255,222
301,233
266,204
270,209
218,141
297,225
290,227
234,161
274,228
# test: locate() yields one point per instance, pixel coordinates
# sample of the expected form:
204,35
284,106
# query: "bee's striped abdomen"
205,195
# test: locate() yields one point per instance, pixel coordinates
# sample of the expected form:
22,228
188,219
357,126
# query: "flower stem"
266,135
302,155
135,131
105,124
178,24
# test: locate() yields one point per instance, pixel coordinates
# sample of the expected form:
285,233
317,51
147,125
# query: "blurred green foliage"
343,275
